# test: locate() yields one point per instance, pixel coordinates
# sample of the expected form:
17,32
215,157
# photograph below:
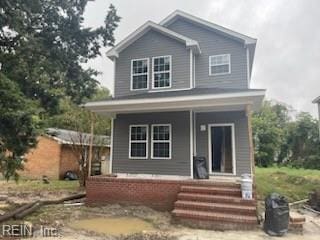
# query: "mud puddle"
115,226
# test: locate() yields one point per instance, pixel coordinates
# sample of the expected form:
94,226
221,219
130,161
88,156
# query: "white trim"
139,74
111,146
191,69
248,67
168,20
152,176
139,141
164,141
194,71
176,99
170,72
169,90
114,52
191,143
234,171
211,65
114,77
195,133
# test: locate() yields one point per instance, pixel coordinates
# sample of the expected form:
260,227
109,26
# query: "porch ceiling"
201,102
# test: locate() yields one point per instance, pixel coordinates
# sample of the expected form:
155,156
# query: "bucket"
246,186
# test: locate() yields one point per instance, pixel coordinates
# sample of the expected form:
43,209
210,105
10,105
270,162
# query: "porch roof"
195,98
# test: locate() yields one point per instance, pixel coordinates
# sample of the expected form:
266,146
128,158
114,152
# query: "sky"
287,59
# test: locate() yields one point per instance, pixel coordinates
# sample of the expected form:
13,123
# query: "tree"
43,48
266,135
303,142
19,126
44,45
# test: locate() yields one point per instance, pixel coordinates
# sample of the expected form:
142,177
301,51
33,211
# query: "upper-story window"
139,73
219,64
161,72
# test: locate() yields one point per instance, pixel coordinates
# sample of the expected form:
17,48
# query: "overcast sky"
287,59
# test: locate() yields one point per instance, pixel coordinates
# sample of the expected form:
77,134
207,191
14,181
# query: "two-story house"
181,89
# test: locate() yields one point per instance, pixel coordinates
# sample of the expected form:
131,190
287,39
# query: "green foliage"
280,139
295,184
77,118
19,126
266,134
43,45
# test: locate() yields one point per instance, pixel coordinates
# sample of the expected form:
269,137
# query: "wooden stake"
91,143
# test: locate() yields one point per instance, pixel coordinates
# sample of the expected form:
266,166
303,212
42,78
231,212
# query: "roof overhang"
179,103
189,43
222,30
316,100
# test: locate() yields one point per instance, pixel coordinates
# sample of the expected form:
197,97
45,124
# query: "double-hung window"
219,64
139,73
161,141
138,141
161,72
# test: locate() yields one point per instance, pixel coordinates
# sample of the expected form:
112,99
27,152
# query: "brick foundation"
154,193
157,194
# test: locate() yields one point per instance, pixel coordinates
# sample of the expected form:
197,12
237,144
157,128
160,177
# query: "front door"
221,149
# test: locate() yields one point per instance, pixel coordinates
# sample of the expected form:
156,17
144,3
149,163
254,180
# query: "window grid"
161,72
138,142
139,74
161,141
219,64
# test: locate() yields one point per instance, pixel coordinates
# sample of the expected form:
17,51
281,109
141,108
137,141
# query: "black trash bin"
200,170
277,215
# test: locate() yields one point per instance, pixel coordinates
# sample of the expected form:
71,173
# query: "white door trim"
233,147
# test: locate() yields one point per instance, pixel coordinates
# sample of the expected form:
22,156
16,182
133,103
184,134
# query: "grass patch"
293,183
38,185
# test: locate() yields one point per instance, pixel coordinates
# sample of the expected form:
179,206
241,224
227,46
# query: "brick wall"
68,161
158,194
43,160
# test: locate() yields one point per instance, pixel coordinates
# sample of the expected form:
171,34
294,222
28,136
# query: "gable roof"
222,30
190,43
316,100
69,137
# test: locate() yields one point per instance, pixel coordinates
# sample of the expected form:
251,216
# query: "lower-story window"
161,141
138,141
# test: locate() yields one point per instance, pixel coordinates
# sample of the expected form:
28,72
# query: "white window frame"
163,141
170,72
139,74
139,141
211,65
233,141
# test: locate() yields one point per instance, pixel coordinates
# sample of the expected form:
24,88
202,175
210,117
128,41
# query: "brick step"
215,198
212,190
207,183
216,207
216,217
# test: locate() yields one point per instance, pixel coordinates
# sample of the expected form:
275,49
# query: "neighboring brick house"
54,154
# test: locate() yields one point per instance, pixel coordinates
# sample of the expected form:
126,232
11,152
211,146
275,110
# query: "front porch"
200,203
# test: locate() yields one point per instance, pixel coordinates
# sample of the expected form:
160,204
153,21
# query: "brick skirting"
154,193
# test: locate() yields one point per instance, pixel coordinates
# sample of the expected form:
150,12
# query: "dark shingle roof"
74,137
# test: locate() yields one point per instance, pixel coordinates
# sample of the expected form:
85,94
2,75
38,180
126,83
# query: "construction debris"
29,208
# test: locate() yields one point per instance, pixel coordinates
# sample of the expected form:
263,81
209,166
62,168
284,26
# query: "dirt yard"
124,222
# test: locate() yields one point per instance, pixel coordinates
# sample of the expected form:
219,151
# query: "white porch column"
111,145
191,143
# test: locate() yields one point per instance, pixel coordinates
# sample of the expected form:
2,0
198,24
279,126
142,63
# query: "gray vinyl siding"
150,45
240,120
212,43
179,164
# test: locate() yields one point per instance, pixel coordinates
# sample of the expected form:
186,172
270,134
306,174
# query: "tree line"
284,137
